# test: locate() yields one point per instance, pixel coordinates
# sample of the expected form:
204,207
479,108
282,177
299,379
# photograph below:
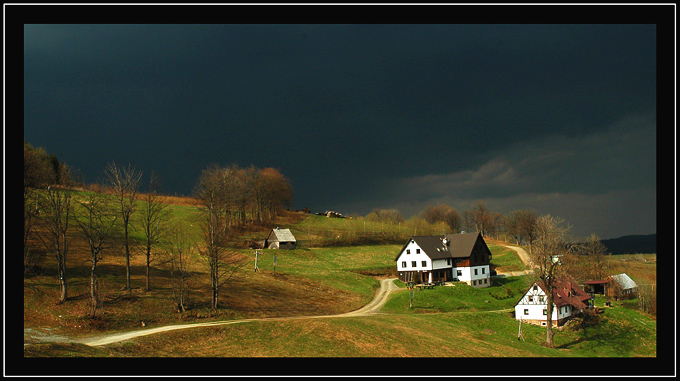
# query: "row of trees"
226,196
53,209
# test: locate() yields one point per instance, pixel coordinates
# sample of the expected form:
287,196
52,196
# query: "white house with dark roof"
568,300
441,258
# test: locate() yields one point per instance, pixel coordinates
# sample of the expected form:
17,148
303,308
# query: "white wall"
413,256
536,307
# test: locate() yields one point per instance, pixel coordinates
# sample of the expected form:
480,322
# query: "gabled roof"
567,292
624,281
458,245
283,235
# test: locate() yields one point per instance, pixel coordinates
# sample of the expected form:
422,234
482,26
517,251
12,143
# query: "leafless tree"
272,192
443,213
390,216
123,183
479,217
596,254
96,224
154,215
511,223
527,226
179,249
55,203
551,243
215,232
37,175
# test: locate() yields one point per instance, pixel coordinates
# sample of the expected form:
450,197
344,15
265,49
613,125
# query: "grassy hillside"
309,281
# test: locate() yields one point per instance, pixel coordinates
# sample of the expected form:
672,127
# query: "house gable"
460,247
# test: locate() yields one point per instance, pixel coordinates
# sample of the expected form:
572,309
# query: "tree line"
56,211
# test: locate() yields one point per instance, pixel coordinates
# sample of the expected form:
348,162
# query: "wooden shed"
280,239
619,286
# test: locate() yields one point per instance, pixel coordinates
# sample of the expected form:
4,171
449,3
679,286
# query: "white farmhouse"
569,300
441,258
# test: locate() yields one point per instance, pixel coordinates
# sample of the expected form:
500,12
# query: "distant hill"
631,244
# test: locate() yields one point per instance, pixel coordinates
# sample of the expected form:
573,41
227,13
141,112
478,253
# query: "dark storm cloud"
348,112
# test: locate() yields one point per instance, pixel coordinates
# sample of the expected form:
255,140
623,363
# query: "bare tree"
180,252
527,226
154,214
124,183
480,217
512,226
55,204
37,175
550,244
443,213
596,253
214,231
96,224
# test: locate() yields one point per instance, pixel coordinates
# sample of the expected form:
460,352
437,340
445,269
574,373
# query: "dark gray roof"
459,245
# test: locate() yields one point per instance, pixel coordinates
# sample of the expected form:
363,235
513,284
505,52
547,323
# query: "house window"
417,251
483,270
424,263
413,263
403,264
526,311
459,272
475,271
448,261
485,281
541,298
531,298
535,288
545,311
408,251
474,282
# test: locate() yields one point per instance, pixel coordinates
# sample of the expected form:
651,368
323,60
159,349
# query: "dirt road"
386,286
524,256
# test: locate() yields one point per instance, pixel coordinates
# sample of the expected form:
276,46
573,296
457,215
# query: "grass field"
309,281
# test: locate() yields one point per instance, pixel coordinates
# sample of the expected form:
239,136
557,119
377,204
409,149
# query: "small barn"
619,286
622,287
280,239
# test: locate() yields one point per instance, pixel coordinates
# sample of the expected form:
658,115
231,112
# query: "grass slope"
445,321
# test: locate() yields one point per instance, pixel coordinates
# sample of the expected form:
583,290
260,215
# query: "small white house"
569,300
451,257
280,239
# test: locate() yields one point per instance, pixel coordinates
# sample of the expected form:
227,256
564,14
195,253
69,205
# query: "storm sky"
557,118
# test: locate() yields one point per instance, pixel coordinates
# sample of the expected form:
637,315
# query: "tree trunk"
549,332
62,280
148,266
93,289
127,258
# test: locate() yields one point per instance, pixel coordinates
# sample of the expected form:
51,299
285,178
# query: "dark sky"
558,118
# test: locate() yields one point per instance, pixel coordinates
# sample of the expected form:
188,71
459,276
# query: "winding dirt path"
372,308
524,256
386,286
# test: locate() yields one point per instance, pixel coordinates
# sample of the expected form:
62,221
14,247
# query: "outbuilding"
619,286
280,239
